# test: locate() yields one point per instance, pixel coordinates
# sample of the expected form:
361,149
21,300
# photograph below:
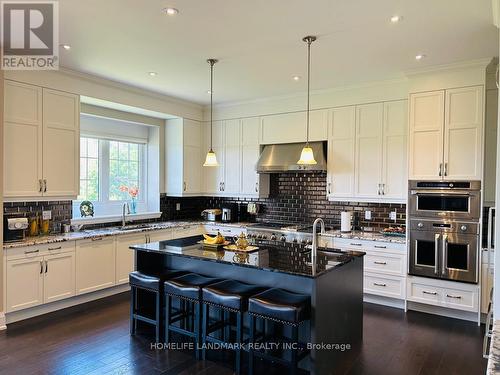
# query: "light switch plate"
177,206
368,215
393,215
46,215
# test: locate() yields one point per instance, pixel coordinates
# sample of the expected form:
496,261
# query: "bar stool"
286,308
186,288
152,283
230,296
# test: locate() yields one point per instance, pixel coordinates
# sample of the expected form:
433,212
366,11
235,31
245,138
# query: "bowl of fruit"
213,242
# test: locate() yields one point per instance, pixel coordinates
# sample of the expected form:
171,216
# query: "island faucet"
126,208
314,248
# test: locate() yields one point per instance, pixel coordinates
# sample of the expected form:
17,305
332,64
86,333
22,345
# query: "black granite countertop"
285,257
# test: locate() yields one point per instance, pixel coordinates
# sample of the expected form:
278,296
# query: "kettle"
241,241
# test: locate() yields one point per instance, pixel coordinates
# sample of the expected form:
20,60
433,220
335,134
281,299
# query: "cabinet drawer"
367,245
443,293
39,250
388,286
187,231
225,230
385,263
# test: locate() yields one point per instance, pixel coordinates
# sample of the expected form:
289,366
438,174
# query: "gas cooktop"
284,232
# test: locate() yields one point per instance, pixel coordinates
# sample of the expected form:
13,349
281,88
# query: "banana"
218,239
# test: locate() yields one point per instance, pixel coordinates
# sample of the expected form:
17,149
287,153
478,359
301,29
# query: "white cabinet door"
231,184
59,276
341,155
283,128
463,133
490,146
426,135
160,235
61,143
95,264
125,257
22,140
250,151
318,125
192,162
368,165
24,283
394,158
214,176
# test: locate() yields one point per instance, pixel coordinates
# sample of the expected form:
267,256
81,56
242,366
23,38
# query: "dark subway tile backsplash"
61,210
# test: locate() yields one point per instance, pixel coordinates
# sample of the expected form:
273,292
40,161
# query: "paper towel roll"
345,221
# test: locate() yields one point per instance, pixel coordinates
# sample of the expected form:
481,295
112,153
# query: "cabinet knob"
463,228
420,225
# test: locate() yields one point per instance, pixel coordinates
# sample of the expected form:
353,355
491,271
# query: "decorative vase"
133,206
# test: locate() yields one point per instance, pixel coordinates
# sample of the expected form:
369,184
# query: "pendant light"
211,159
307,155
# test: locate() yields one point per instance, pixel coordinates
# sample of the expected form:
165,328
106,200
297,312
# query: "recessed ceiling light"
66,46
296,78
171,11
152,74
419,57
396,18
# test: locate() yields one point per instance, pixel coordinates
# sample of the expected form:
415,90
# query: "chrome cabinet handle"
46,266
41,267
450,296
445,171
431,293
436,253
383,189
184,186
380,247
378,189
382,263
97,239
55,248
378,284
445,254
440,172
40,185
256,187
32,251
44,185
223,186
356,244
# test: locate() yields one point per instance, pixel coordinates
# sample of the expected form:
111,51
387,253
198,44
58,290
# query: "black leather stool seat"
230,294
280,305
151,281
188,285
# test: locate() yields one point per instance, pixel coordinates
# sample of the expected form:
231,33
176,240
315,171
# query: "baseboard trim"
442,311
17,316
3,323
384,301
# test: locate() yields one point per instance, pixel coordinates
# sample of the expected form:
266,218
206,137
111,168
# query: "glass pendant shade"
307,156
211,159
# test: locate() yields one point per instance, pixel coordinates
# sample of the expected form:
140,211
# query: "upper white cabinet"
291,127
367,152
231,183
341,152
183,151
41,142
446,132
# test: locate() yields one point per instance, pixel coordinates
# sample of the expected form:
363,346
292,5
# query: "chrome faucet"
126,208
314,249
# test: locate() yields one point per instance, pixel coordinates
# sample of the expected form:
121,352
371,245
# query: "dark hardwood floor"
94,339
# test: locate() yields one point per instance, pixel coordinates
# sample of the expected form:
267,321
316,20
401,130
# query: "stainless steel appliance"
211,214
457,200
229,213
284,157
294,233
14,228
444,249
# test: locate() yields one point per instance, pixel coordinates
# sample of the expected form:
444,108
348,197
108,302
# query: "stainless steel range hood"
284,157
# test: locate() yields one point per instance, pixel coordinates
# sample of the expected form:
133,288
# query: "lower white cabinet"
486,285
125,257
39,274
95,264
384,285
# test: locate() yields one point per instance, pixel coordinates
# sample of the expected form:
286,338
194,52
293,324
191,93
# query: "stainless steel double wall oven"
444,229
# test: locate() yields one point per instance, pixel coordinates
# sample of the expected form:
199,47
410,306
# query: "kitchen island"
335,285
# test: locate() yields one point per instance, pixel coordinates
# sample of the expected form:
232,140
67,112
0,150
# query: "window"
106,167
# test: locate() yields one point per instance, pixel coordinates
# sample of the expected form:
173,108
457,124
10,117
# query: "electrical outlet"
46,215
368,215
393,215
177,206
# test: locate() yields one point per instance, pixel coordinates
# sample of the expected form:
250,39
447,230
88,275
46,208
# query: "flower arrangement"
132,191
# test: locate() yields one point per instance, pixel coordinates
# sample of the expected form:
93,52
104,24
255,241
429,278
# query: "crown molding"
477,63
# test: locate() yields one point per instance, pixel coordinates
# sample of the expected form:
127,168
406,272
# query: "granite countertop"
368,236
112,231
494,355
280,257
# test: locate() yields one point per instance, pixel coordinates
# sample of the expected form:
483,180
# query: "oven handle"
436,253
445,254
442,193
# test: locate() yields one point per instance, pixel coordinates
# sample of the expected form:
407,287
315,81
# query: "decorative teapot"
241,241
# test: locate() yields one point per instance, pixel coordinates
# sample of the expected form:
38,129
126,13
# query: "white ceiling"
259,43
